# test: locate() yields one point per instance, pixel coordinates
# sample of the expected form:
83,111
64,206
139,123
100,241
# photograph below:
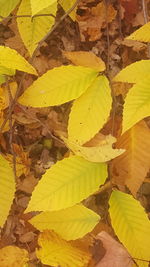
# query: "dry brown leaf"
131,168
86,59
116,255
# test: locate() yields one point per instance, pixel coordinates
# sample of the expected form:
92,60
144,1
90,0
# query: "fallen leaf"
130,168
13,257
116,255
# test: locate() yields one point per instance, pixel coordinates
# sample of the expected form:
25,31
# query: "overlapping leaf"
6,71
13,257
86,59
137,104
101,153
66,5
10,59
32,30
71,223
66,183
55,251
90,112
142,34
7,6
132,167
58,86
38,5
131,225
7,189
134,72
2,79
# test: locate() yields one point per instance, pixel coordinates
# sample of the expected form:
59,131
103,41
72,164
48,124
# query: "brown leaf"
116,255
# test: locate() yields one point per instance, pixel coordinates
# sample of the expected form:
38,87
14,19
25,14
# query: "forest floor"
35,130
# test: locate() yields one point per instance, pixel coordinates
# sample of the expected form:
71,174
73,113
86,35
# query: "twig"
26,16
146,19
32,59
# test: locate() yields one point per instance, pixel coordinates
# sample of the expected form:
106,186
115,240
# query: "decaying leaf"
116,254
56,251
11,256
131,167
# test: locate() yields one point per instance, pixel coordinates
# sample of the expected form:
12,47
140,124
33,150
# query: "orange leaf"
132,166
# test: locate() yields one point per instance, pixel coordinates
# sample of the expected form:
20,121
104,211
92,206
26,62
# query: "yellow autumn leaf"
66,5
9,58
131,168
131,225
142,34
56,189
140,70
7,6
70,224
7,189
90,112
38,5
86,59
6,71
101,153
2,79
55,251
137,104
11,256
32,30
58,86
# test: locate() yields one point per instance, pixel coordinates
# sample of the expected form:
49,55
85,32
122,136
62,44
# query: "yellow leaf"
66,5
6,71
90,112
2,79
101,153
55,251
38,5
7,189
137,104
9,58
11,256
140,70
66,183
86,59
70,223
32,30
58,86
142,34
131,168
6,6
131,225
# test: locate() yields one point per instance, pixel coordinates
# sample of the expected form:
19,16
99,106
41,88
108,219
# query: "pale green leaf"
142,34
10,59
71,223
100,153
66,5
32,30
137,104
38,5
66,183
7,189
134,72
6,6
131,224
55,251
58,86
90,112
